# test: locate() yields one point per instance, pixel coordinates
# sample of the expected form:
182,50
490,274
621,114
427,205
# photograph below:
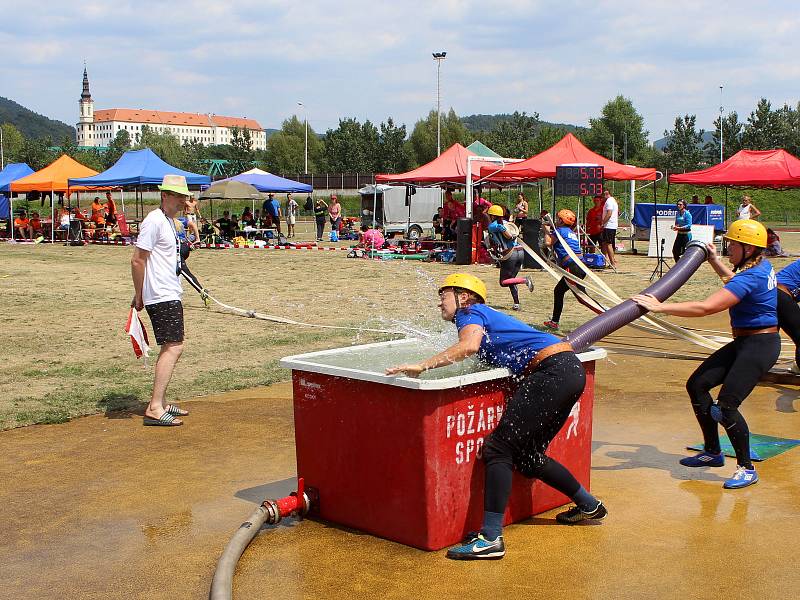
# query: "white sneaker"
529,282
515,307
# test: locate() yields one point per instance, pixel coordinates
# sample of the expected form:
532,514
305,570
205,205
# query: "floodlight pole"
720,123
305,145
439,57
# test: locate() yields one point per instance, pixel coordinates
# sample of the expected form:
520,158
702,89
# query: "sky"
372,60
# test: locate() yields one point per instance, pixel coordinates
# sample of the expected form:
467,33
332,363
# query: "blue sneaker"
741,478
479,548
704,459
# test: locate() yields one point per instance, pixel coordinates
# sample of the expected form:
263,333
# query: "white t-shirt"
744,211
157,236
611,205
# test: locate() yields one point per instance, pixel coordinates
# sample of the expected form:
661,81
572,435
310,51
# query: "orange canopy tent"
53,178
569,150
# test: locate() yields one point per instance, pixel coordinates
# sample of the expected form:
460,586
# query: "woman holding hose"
750,295
551,380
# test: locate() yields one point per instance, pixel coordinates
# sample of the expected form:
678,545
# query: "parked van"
397,212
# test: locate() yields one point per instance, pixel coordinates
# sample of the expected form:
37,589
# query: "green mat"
762,447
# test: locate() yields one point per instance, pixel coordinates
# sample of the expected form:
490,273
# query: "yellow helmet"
747,231
466,282
496,210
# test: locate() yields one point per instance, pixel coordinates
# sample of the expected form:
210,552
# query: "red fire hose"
270,511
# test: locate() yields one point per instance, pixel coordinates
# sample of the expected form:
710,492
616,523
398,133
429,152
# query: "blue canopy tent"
137,169
12,172
267,182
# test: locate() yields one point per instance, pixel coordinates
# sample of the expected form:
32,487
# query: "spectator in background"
320,210
247,218
257,218
774,247
226,225
695,199
610,224
521,208
291,214
63,218
594,223
480,207
36,225
335,213
110,214
437,224
23,226
452,211
747,210
273,209
371,238
683,229
97,213
708,200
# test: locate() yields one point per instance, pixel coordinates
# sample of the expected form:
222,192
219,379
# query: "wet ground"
102,507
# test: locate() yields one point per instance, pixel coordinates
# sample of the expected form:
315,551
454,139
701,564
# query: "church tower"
85,127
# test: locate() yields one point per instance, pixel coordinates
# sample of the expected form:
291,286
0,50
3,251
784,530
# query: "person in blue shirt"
750,296
683,229
503,247
788,311
551,380
565,225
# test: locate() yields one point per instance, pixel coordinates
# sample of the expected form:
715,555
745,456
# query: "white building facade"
99,128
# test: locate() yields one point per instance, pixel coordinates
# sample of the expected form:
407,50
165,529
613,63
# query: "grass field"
65,353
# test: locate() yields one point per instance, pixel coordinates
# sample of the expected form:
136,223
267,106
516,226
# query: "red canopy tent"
449,167
569,150
748,168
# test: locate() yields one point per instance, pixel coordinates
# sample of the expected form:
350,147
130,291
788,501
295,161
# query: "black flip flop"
165,420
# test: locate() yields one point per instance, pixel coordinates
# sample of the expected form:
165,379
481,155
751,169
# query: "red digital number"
583,173
583,190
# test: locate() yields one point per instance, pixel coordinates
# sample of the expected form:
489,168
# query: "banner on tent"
662,230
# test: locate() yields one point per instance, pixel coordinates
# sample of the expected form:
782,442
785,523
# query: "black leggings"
679,247
533,416
738,366
509,269
561,289
789,320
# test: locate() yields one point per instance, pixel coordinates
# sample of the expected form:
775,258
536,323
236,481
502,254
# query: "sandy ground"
101,507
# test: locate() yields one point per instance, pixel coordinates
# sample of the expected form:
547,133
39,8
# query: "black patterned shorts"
167,320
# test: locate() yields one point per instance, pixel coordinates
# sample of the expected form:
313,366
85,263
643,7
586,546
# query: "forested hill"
491,122
31,124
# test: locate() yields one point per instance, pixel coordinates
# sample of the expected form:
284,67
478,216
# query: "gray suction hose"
622,314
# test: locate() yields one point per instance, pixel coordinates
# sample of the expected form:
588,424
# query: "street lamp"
720,123
305,145
439,57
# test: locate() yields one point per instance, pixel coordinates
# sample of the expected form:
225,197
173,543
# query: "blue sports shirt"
790,277
572,239
507,342
496,230
684,220
756,289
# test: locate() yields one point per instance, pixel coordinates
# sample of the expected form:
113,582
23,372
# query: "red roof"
449,167
748,168
161,117
569,150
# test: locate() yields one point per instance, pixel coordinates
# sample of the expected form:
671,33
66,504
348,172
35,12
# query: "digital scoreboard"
579,180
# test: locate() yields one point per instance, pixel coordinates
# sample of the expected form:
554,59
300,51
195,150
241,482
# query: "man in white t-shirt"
156,268
610,224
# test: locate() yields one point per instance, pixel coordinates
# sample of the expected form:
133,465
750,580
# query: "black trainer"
575,515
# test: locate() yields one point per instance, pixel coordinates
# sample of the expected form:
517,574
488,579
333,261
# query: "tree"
286,149
352,147
118,146
762,131
788,120
242,149
393,153
193,154
36,152
69,146
731,138
684,150
13,141
545,138
422,142
618,121
515,136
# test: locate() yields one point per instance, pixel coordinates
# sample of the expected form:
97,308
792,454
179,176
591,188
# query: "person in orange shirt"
36,224
23,226
110,215
97,212
594,222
